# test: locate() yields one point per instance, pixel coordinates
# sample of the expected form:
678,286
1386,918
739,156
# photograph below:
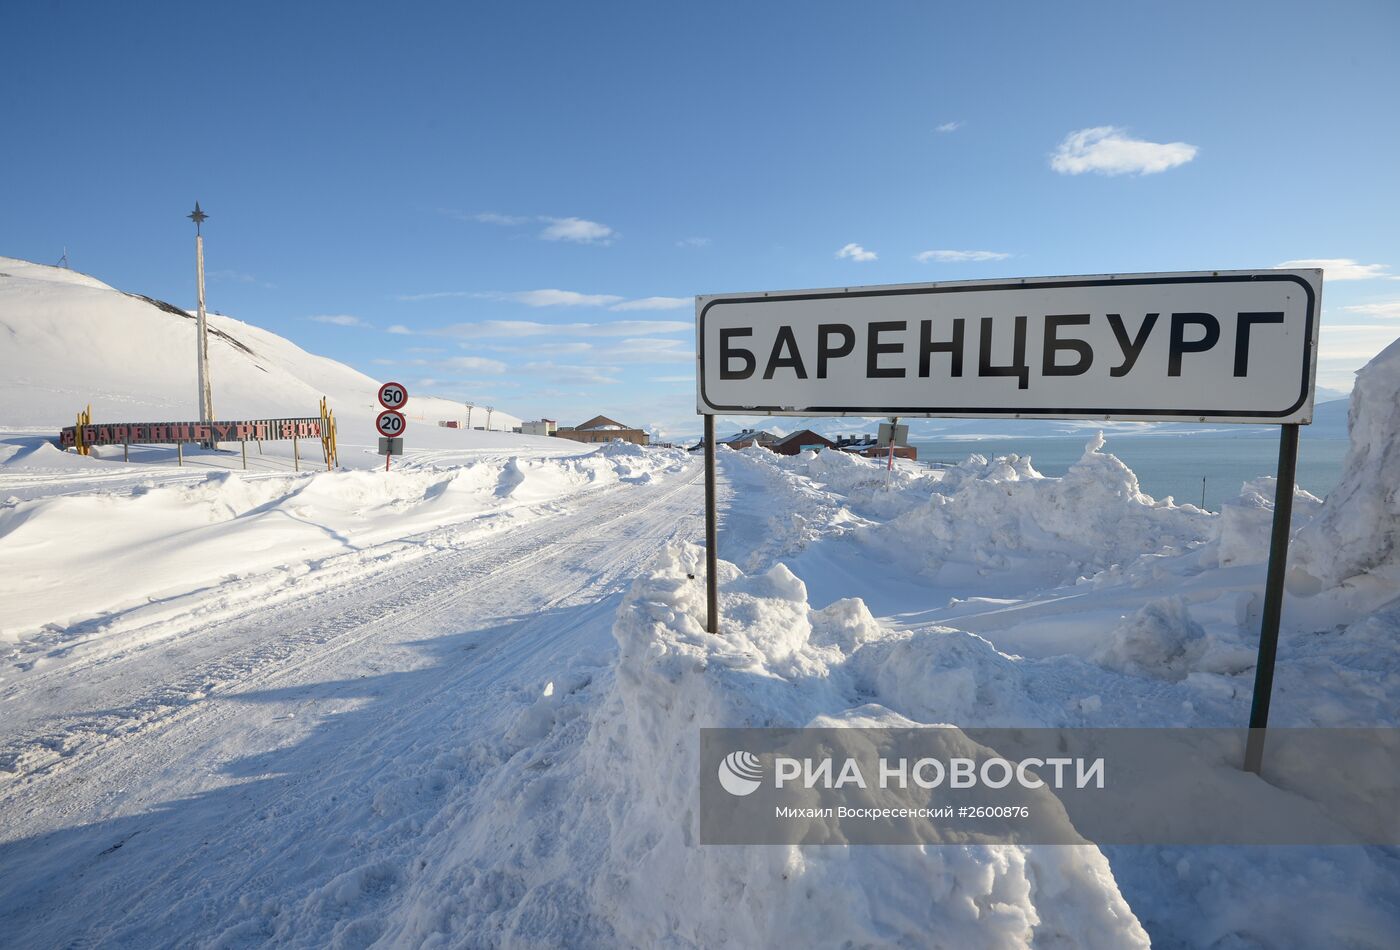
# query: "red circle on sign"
393,395
390,423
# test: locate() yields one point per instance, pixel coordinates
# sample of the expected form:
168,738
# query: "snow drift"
624,868
1355,538
67,557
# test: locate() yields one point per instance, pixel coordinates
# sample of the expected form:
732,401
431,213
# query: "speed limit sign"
390,423
393,395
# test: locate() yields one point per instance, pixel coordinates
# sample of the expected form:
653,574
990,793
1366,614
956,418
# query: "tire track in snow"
388,598
242,856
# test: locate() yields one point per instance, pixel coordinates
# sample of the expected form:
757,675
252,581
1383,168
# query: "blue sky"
513,203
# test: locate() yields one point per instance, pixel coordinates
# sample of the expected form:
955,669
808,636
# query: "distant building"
742,440
801,441
449,423
867,446
541,427
602,429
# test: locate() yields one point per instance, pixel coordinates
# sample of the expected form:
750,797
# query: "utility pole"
470,407
489,410
206,397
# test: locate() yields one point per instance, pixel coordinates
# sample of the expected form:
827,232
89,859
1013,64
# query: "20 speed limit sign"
390,423
393,395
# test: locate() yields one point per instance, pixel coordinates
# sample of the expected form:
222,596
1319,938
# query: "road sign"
1217,346
1223,346
393,396
390,446
390,423
900,435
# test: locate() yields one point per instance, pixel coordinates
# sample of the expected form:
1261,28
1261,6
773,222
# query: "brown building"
602,429
801,441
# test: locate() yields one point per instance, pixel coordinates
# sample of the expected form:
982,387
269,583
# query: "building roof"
600,422
760,436
804,437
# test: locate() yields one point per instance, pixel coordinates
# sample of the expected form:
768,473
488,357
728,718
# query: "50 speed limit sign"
390,423
393,395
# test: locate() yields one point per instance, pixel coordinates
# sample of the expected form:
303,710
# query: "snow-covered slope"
67,339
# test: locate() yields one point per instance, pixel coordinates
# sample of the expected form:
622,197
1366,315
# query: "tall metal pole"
711,560
206,397
1273,598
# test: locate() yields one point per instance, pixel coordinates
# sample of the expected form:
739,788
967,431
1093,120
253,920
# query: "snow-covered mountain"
67,339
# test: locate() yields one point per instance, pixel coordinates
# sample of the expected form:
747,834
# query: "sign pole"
711,577
206,397
1273,597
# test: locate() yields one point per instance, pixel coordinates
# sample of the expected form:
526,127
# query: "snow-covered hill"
69,340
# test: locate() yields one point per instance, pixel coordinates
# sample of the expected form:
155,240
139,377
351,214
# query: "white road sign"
390,423
1223,346
393,395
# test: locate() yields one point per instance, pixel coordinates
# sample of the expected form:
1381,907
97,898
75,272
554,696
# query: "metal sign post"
1206,346
1273,597
390,424
711,558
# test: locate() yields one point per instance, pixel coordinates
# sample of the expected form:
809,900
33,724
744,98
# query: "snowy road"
249,751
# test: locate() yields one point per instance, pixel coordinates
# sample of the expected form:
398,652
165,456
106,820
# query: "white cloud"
1355,342
553,297
1342,268
239,277
855,252
953,257
577,230
338,320
693,242
649,350
558,298
1108,150
949,127
399,329
565,373
477,364
671,379
1389,310
508,329
506,220
548,297
537,348
437,295
654,303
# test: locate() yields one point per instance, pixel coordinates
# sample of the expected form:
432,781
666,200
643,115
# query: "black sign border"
1036,284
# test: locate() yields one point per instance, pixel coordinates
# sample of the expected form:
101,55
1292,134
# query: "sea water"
1166,465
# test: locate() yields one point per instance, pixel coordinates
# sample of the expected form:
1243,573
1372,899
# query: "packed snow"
458,703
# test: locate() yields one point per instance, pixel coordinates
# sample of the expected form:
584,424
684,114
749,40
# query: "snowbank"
1002,520
1247,521
67,557
624,868
1354,540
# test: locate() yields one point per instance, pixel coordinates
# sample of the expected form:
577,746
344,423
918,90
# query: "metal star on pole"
197,217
